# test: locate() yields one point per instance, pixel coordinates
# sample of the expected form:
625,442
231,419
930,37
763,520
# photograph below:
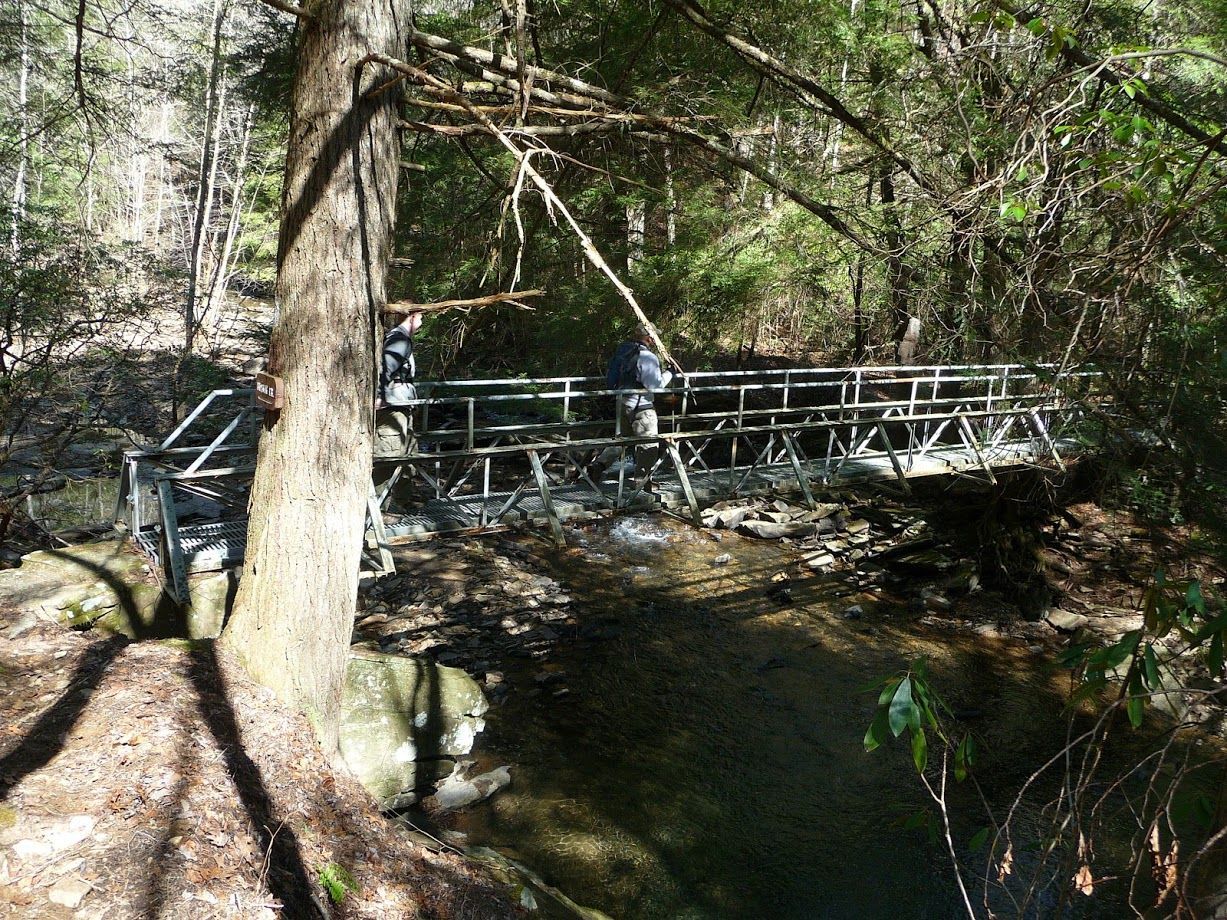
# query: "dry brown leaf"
12,895
1084,881
199,875
1007,863
1163,864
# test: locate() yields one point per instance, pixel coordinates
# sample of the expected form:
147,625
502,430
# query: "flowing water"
706,758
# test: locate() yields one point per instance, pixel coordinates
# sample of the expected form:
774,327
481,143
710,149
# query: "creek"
705,759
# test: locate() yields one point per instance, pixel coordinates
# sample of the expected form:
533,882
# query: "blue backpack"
623,373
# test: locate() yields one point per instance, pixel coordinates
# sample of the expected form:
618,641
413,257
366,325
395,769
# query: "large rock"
457,792
729,518
770,530
819,560
1064,620
109,585
404,720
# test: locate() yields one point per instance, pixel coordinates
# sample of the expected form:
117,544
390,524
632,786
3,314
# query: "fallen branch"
285,6
591,105
434,84
511,298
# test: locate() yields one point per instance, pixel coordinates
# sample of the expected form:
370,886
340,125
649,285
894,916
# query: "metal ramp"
492,453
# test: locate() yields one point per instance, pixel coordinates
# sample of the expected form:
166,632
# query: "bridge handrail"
558,395
631,440
863,376
767,372
862,411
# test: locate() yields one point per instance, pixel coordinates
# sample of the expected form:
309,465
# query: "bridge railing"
545,410
484,445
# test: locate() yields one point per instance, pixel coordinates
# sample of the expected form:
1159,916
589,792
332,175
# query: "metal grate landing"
206,547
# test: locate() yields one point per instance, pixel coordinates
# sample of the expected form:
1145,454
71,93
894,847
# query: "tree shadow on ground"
47,736
287,874
287,877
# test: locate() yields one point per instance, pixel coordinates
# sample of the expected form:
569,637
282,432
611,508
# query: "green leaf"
979,839
1215,657
1117,654
1217,625
1129,90
888,691
1193,598
920,750
1150,668
1133,707
1073,656
336,881
876,733
901,707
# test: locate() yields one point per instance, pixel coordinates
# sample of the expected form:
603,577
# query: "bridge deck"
219,544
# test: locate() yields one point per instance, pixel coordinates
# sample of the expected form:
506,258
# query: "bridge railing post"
741,409
911,426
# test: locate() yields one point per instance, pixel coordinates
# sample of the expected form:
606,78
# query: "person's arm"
650,373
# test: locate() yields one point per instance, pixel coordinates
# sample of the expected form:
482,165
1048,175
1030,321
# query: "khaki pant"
393,438
394,432
642,424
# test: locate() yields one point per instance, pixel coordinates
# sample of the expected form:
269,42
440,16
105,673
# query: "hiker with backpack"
393,409
634,367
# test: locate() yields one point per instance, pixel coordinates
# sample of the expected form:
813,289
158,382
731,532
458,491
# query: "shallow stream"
702,755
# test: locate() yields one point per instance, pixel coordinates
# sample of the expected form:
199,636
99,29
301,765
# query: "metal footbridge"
491,453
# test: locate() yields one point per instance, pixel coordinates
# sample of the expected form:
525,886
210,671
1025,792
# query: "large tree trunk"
897,272
295,605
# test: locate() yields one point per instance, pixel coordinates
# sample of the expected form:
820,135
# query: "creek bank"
405,721
155,778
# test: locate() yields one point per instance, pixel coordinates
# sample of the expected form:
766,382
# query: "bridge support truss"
494,452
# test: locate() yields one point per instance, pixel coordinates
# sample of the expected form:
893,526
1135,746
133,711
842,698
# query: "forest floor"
147,779
154,779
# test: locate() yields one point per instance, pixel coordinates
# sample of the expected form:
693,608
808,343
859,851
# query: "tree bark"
670,200
897,273
295,606
636,226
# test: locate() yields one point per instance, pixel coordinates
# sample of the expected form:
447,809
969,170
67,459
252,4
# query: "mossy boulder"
108,585
405,720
